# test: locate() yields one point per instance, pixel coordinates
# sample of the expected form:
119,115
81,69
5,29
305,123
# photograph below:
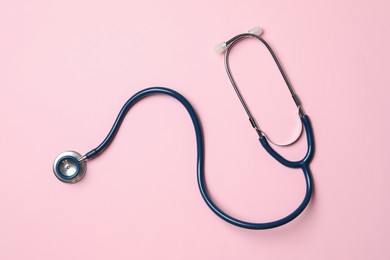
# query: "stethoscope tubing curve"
200,158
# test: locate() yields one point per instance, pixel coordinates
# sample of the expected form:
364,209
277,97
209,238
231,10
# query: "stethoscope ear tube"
228,46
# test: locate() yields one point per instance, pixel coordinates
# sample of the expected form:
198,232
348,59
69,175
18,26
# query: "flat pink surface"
67,67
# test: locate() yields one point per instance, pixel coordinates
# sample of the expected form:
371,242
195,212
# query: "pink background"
67,67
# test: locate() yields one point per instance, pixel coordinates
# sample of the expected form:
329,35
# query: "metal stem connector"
82,159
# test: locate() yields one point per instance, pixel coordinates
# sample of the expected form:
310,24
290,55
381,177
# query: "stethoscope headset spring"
70,166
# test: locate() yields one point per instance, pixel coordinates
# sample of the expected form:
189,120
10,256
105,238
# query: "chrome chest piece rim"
69,167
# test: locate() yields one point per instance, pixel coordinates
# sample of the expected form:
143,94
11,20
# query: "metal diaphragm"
69,168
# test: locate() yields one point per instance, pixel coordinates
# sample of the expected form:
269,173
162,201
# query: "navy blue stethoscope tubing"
134,99
303,164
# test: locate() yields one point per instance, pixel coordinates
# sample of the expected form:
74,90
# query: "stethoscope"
71,167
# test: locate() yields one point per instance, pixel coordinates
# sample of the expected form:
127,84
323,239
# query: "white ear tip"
221,47
256,30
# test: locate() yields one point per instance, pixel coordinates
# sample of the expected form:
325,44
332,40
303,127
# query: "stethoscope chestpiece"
70,167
